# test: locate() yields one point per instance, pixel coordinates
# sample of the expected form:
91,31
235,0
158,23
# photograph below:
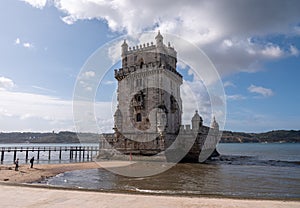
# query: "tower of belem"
148,95
147,121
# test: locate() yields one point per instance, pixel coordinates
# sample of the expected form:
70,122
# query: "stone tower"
148,94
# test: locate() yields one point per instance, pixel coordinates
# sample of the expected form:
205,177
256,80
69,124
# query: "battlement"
121,73
147,54
141,47
187,130
149,47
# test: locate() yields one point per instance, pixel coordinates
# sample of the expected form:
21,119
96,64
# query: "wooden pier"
74,152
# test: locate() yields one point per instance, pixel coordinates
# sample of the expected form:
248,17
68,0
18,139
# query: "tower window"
138,82
138,117
141,63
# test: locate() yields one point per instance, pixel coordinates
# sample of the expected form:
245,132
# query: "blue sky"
255,46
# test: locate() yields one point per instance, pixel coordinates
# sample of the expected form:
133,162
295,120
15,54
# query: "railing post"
26,155
60,153
38,154
79,153
15,155
2,155
49,156
75,152
87,152
83,153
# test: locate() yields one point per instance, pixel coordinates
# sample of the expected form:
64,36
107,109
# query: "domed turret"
215,124
124,47
159,40
118,117
197,121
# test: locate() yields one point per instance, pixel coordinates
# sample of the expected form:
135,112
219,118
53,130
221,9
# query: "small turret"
124,48
197,121
118,118
215,124
159,40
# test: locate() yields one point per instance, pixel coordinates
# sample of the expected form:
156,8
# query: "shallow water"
243,170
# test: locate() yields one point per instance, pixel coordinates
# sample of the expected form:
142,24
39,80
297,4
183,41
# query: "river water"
270,171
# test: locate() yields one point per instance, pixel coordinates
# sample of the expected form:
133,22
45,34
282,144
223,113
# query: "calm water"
243,170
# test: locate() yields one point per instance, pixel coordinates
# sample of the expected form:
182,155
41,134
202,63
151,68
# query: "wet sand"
25,174
23,196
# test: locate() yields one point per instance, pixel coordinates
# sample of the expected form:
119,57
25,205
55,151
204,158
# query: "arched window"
138,117
141,63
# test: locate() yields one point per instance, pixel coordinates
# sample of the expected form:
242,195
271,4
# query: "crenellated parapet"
147,55
187,130
121,73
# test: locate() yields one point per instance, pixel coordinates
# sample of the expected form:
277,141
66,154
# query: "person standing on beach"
31,162
17,164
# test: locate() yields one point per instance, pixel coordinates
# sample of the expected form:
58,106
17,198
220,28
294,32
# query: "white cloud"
43,89
235,97
24,44
227,43
17,41
27,45
110,82
229,84
260,90
224,35
6,83
89,74
294,51
272,51
20,111
36,3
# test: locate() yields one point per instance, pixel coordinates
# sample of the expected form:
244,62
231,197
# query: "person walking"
31,162
17,164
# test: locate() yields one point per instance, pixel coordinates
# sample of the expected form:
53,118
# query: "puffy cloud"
44,113
222,29
24,44
27,45
229,84
6,83
36,3
272,51
17,41
89,74
260,90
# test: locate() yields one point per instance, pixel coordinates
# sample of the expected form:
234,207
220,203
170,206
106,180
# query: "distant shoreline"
277,136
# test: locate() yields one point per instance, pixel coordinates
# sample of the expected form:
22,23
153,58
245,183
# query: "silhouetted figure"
31,162
17,164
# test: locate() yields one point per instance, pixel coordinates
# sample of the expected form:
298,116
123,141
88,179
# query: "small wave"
155,191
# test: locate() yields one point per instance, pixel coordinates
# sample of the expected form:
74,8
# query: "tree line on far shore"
278,136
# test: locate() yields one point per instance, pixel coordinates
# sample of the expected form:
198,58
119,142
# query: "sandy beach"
26,196
25,174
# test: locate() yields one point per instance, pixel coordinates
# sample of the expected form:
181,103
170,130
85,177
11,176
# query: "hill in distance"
278,136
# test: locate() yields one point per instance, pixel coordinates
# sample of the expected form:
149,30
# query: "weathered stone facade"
148,116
